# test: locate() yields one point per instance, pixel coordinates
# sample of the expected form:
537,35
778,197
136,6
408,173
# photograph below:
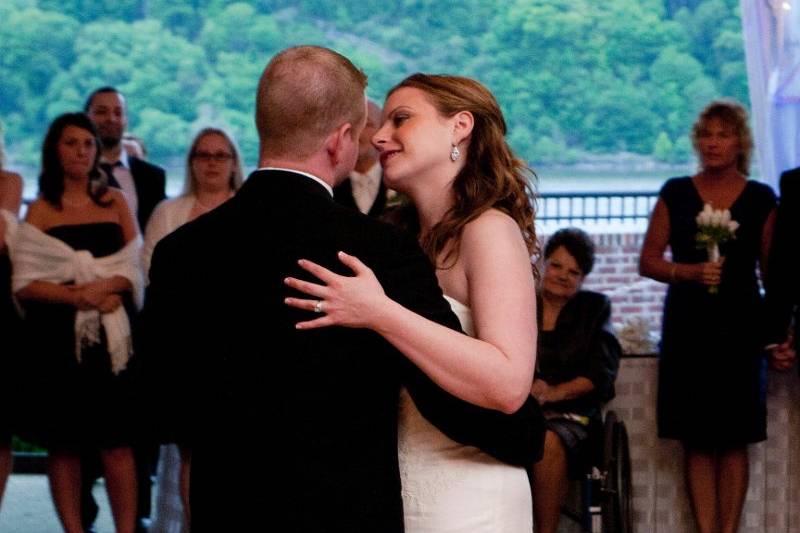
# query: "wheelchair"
600,502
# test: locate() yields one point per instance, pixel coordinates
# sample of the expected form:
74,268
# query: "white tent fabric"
771,30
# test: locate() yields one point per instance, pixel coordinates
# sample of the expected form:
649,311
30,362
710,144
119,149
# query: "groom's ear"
338,142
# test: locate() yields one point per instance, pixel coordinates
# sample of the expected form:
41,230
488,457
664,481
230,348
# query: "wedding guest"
77,274
142,182
213,175
577,364
10,200
711,391
364,189
442,143
143,185
783,283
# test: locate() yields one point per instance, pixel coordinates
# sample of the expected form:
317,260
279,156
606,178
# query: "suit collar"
281,184
306,174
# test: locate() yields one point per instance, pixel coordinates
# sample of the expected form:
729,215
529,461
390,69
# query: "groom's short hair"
304,94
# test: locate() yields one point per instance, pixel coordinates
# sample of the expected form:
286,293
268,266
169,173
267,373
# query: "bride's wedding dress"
449,487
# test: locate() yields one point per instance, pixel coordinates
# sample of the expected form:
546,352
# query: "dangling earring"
455,153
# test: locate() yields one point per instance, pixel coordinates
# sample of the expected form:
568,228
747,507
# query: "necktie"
108,168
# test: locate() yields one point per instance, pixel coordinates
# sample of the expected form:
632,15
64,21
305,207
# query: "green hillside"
573,76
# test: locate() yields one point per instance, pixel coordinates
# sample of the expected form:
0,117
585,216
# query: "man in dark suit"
363,188
143,183
783,274
295,430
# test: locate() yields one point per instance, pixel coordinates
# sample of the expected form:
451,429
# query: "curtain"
771,30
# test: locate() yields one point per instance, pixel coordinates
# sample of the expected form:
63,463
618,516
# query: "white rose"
704,216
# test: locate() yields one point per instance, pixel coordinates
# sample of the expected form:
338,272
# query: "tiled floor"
28,508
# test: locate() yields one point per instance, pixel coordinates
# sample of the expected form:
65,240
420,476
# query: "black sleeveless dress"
712,369
76,406
9,351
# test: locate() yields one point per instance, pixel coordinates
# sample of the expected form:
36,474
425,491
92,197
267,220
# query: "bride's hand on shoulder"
351,301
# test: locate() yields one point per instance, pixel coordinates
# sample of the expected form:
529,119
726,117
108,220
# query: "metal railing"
582,207
571,207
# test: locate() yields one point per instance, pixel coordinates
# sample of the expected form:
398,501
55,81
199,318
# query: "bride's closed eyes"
398,119
398,116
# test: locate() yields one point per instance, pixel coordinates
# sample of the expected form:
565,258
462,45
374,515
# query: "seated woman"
578,362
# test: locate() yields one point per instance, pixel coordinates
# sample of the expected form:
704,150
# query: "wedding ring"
318,306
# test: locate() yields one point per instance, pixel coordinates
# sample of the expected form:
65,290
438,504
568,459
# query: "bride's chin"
392,182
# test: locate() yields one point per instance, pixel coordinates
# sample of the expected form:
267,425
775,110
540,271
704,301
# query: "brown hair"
304,93
734,115
51,179
492,176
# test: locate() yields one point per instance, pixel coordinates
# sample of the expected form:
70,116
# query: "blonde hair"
734,115
305,93
492,176
237,177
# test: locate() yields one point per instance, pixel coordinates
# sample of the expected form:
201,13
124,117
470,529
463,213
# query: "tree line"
574,77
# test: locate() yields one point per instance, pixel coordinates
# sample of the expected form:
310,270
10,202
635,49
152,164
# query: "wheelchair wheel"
617,508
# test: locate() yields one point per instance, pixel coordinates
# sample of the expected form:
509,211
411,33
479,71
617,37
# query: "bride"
442,144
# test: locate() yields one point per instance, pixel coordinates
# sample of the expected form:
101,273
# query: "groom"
306,417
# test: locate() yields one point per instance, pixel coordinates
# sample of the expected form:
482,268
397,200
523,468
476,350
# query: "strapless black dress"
75,406
10,323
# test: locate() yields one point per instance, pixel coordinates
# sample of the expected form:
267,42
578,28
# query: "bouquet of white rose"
714,226
635,336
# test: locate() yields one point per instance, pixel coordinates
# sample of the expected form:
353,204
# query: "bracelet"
672,277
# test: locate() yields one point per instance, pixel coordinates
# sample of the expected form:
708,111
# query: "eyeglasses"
220,157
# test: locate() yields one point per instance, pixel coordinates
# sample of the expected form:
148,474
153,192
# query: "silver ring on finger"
318,306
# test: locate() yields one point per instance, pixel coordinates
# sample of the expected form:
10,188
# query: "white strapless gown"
449,487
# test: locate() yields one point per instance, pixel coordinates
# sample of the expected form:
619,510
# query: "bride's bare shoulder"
491,225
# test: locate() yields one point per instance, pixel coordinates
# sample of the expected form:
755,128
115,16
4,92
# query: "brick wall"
616,274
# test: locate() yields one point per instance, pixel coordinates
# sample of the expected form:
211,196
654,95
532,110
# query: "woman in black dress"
10,199
711,393
82,392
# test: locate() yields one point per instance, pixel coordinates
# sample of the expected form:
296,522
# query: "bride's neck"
432,206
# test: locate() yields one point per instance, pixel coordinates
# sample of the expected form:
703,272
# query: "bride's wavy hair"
492,176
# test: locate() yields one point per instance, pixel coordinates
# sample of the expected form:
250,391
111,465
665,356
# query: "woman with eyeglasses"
213,174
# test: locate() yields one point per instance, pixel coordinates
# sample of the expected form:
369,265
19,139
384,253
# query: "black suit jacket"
783,274
286,426
150,182
582,344
343,193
